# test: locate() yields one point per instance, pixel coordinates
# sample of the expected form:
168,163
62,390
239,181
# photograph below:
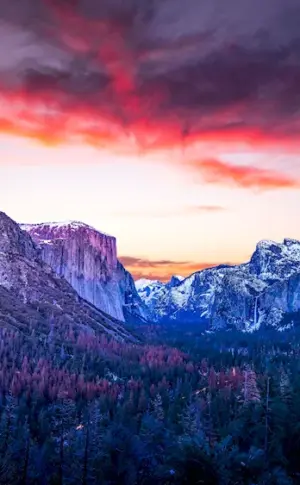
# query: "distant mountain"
245,296
34,299
88,260
146,288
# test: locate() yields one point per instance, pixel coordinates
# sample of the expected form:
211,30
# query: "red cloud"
52,117
216,171
127,89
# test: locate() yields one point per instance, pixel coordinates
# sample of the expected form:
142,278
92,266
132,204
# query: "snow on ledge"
74,225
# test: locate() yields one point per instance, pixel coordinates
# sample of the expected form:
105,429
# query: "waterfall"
255,311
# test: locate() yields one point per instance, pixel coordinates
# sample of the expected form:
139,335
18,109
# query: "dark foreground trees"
224,411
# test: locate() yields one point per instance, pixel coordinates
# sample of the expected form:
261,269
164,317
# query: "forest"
182,406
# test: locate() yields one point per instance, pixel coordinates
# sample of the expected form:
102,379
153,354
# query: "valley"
89,398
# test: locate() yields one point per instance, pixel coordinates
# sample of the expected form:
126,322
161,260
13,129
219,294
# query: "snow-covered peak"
143,283
178,277
288,249
74,234
266,244
149,289
274,261
60,226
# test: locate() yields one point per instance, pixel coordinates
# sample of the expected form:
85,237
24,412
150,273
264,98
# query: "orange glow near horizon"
164,270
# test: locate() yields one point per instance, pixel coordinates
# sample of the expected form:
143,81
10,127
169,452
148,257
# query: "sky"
173,126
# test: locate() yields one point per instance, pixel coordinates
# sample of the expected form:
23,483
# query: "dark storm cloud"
71,82
157,68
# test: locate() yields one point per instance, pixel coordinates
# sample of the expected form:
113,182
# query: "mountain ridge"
242,296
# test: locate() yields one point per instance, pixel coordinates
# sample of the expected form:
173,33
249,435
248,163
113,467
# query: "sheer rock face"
244,296
30,287
88,260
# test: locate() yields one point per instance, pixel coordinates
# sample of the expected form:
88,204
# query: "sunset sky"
172,125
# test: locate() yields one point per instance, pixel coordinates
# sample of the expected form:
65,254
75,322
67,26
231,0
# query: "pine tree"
285,386
26,438
63,420
158,407
208,424
11,442
190,420
7,419
267,416
250,390
83,462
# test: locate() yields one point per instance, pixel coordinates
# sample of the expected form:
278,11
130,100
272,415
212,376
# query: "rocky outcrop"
30,291
245,296
282,297
88,260
175,281
272,261
14,241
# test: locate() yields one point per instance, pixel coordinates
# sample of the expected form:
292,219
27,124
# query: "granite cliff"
87,259
33,295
